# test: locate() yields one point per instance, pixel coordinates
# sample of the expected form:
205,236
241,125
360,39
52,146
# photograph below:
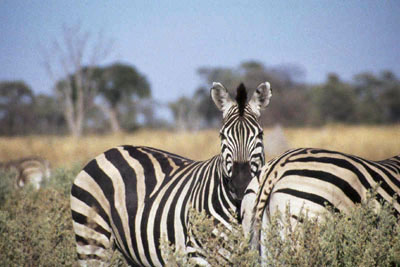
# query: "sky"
168,41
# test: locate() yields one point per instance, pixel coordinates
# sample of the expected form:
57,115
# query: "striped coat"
130,197
310,179
29,170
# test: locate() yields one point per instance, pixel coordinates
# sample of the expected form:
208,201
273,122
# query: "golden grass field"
371,142
36,228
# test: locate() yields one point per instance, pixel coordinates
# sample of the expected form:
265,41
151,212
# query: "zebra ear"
260,98
221,98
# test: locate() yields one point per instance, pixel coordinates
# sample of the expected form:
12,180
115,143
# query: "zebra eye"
260,135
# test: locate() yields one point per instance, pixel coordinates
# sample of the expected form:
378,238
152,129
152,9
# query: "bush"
62,179
220,246
36,229
35,225
363,237
7,185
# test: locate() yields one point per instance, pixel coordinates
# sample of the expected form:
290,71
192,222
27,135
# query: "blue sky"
169,40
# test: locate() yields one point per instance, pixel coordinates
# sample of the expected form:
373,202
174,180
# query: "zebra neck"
229,203
211,193
219,166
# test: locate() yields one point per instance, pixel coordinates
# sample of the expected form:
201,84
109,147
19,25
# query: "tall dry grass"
35,226
371,142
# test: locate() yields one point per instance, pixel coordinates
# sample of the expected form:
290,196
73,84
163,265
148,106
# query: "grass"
64,151
36,228
371,142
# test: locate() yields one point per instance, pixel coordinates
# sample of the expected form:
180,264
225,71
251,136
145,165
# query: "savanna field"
371,142
35,226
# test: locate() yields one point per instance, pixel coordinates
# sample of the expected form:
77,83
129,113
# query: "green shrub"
36,229
219,245
7,185
62,179
35,225
362,237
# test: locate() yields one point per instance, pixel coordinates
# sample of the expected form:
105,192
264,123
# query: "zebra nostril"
241,176
237,165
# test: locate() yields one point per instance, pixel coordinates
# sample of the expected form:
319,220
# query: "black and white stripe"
29,170
309,179
133,196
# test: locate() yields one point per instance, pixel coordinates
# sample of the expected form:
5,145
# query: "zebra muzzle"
241,176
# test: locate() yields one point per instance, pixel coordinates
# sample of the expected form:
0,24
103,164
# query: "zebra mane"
241,98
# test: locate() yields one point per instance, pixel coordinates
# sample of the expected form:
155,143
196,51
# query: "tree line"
90,97
118,97
367,99
114,95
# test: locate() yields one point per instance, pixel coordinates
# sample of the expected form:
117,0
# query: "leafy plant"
365,236
36,230
218,245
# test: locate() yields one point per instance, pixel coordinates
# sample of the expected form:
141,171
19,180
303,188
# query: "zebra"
310,179
29,170
129,197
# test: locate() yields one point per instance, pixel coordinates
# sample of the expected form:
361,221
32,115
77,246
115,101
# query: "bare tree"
72,59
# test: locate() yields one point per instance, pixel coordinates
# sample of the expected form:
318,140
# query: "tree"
185,114
120,85
228,76
206,109
333,101
253,73
66,61
49,118
378,97
368,89
16,101
390,98
289,104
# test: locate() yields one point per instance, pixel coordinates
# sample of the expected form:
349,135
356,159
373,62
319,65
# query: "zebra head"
241,134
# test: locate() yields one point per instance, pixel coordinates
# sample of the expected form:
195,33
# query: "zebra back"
131,197
311,179
29,170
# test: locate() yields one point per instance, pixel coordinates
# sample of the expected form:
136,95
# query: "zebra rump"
310,179
29,170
